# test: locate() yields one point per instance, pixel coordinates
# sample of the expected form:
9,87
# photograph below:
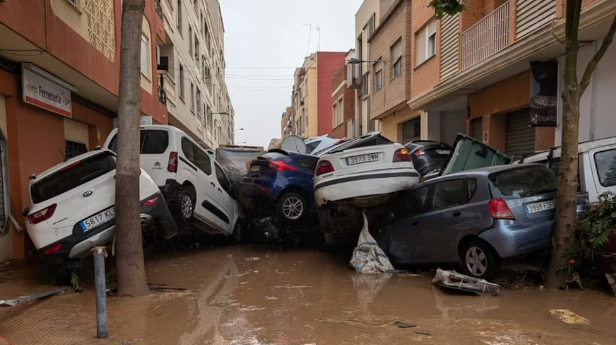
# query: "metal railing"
162,95
487,37
159,8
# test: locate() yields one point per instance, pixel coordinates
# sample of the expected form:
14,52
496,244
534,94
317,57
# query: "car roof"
59,166
582,147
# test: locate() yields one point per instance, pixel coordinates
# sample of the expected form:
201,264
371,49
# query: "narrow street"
265,295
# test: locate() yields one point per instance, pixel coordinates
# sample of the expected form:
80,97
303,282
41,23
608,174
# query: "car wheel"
238,232
479,260
325,222
185,204
62,274
292,207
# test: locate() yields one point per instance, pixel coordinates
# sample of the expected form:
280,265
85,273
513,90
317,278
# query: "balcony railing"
162,95
487,37
159,8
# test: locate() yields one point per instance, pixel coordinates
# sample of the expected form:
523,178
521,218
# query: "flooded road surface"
260,295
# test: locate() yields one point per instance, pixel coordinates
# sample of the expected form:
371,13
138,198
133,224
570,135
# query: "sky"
265,40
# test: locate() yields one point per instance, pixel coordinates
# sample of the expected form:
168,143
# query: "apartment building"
286,124
499,64
312,93
59,80
343,101
191,72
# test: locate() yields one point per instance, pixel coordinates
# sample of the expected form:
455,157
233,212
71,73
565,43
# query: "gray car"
476,217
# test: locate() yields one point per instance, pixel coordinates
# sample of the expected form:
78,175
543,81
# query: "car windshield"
524,181
150,142
72,176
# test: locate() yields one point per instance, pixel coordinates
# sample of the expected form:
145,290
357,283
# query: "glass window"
151,142
308,163
378,80
606,167
74,149
524,181
145,56
222,178
449,194
72,177
187,149
202,160
411,203
472,187
272,155
313,145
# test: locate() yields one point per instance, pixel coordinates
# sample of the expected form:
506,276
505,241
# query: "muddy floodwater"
263,295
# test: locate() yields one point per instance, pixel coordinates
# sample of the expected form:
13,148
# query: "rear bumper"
79,243
510,240
348,187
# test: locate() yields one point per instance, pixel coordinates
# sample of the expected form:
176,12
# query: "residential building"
192,71
312,93
59,80
499,64
286,124
343,101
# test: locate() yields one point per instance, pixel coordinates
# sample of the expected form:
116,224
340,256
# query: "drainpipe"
15,224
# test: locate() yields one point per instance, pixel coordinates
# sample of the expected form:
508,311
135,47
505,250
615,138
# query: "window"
198,101
606,167
378,76
313,145
222,178
338,112
523,182
350,128
449,194
62,181
426,42
192,97
365,87
196,156
369,28
411,203
150,142
145,56
181,83
74,149
196,5
180,16
411,130
396,58
208,116
190,41
197,50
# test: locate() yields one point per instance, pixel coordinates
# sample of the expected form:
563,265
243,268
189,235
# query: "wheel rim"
187,207
476,261
292,208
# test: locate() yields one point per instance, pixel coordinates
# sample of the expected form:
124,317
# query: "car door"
404,240
445,217
225,202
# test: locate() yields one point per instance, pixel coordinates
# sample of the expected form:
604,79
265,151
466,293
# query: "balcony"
159,8
162,95
486,38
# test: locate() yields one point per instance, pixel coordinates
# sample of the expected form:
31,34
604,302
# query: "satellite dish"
293,143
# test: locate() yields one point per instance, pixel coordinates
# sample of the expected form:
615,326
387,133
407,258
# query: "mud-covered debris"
31,297
423,333
456,281
401,324
567,316
253,258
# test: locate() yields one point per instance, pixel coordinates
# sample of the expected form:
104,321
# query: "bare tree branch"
592,64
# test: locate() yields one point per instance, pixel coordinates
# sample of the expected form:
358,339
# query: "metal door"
520,136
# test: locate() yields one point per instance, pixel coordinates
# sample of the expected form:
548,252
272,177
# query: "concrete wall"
327,65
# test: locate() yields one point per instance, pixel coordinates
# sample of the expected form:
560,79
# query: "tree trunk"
131,269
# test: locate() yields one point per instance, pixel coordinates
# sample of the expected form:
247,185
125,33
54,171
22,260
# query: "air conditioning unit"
354,75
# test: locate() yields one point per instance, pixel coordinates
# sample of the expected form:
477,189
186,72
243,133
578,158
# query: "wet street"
258,295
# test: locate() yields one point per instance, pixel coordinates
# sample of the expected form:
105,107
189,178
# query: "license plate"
362,159
540,206
255,168
443,152
97,219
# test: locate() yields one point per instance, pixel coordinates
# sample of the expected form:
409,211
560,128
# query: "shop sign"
46,94
543,93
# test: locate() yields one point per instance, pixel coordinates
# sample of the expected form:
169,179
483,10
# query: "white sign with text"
46,94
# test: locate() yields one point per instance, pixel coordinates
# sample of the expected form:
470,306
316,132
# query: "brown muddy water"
262,295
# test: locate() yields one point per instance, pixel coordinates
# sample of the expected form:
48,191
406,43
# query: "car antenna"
63,156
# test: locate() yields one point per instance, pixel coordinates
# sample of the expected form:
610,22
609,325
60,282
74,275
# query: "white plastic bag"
368,257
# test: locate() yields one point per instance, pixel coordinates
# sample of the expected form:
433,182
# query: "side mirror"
26,211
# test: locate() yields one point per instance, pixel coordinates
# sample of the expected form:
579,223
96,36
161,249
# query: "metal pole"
101,291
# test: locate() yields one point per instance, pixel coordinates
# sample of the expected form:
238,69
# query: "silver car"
476,217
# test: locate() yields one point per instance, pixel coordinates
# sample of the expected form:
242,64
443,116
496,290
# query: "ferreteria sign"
45,94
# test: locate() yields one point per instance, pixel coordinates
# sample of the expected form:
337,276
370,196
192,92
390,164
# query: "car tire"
325,223
292,208
479,260
62,274
237,236
184,205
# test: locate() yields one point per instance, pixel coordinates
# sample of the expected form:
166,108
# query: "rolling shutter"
450,27
520,136
532,15
477,128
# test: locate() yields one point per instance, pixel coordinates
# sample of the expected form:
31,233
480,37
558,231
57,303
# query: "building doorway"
519,135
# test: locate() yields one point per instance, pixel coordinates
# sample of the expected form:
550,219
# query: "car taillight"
53,249
42,215
172,165
500,210
324,167
419,152
70,166
151,201
281,166
402,155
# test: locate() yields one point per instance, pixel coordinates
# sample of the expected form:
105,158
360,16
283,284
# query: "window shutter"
396,51
421,46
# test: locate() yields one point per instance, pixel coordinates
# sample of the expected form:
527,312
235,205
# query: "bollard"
101,291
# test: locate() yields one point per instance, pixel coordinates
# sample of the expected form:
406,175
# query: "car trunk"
81,189
469,153
359,159
261,166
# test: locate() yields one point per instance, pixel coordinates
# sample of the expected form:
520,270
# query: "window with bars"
74,149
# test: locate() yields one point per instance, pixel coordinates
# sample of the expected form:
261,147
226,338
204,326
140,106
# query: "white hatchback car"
193,183
72,206
358,174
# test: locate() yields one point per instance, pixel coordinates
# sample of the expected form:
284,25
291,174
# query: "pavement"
264,295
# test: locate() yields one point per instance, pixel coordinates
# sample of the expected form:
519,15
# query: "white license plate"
443,152
540,206
255,168
362,159
97,219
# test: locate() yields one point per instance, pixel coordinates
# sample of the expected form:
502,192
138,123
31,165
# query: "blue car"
279,183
